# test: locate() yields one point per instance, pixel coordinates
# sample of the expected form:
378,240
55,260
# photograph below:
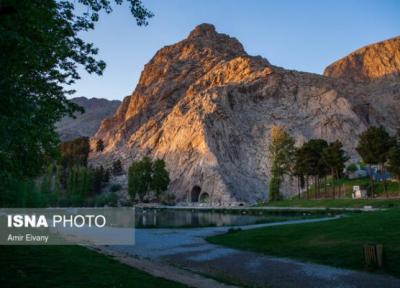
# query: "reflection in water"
187,218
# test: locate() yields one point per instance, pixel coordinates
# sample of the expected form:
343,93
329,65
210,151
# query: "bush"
352,168
106,200
115,188
19,193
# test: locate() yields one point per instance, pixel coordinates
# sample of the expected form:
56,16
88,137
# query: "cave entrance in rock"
194,195
204,197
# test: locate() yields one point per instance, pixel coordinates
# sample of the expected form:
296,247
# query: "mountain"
376,61
88,123
206,107
372,77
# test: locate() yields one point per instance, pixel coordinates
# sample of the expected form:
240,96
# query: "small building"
359,193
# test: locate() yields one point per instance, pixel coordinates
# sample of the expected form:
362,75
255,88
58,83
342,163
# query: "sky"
305,35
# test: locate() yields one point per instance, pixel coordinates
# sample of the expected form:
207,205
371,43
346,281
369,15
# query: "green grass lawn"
338,242
337,203
69,266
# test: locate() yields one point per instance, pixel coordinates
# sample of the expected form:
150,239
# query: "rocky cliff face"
88,123
206,108
371,76
376,61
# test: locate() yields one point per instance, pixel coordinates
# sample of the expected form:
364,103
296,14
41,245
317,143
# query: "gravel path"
187,249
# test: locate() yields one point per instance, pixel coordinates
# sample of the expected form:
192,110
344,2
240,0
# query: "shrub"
115,188
352,168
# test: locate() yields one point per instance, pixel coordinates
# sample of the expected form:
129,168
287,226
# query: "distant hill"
86,124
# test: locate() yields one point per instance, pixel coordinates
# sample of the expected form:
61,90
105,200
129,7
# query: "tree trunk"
333,184
325,187
307,187
319,186
384,180
298,186
398,179
315,187
371,179
340,185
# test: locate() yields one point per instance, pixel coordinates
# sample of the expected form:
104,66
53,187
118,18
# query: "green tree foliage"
309,162
106,176
160,177
352,168
46,183
139,178
373,146
145,176
42,53
99,145
98,179
82,187
281,154
394,158
23,193
299,170
334,158
74,152
82,184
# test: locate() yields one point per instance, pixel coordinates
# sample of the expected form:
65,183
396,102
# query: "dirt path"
165,249
165,271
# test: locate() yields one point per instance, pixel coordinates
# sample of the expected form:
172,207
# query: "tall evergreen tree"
373,146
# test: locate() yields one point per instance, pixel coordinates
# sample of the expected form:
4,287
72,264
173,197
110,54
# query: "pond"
169,218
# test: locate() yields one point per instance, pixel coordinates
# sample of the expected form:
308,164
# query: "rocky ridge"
88,123
372,62
206,107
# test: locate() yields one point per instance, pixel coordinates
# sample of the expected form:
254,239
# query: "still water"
167,218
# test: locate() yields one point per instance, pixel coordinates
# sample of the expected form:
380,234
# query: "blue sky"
304,35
